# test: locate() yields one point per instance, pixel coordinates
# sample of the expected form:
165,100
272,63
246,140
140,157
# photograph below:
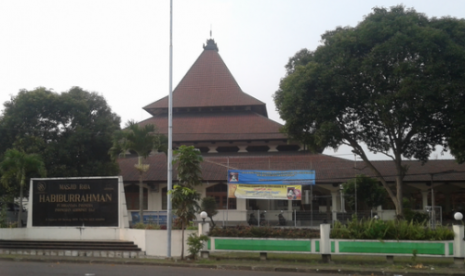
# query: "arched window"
220,193
132,197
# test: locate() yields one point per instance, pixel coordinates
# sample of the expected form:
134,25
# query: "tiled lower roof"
328,169
218,126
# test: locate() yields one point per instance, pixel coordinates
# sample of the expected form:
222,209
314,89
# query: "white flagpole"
170,138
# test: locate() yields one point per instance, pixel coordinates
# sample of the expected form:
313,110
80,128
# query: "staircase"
107,249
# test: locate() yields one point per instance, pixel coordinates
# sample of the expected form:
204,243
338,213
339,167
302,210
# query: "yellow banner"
282,192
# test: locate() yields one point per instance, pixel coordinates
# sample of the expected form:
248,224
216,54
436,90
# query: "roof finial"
210,30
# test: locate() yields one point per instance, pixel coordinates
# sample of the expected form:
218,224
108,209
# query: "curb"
235,267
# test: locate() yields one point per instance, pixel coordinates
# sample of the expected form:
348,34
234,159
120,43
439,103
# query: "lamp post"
458,216
203,215
202,230
459,250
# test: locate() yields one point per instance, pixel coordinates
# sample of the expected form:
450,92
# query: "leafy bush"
389,230
195,243
142,225
177,225
264,232
3,216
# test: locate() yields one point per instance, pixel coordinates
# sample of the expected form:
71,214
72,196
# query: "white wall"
153,242
60,233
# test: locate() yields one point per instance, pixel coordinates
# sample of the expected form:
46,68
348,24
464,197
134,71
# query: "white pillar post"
334,204
459,247
424,196
325,242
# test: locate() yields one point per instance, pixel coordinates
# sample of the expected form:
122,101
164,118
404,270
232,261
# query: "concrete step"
110,249
78,245
75,253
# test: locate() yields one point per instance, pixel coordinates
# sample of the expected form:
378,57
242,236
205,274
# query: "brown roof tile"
208,83
218,126
328,169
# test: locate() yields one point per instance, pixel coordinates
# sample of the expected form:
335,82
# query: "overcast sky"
120,49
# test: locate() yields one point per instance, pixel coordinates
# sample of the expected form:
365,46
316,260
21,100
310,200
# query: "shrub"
141,225
389,230
264,232
195,243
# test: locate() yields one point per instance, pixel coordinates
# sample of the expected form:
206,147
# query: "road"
23,268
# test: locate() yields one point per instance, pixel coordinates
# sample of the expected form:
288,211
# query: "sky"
120,49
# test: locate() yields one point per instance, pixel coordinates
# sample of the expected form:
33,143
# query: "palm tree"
185,203
15,168
141,140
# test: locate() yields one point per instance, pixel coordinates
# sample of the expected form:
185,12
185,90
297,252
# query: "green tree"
391,83
142,140
457,138
16,167
208,205
189,171
185,203
369,192
71,130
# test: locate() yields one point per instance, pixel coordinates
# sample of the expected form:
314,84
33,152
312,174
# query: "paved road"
23,268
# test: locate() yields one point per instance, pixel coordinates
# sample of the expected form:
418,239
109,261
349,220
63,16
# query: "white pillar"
325,242
424,196
334,204
459,248
341,194
335,207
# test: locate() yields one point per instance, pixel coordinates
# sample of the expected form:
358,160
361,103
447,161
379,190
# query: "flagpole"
170,138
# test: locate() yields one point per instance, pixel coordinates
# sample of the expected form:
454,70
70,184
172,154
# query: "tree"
457,138
71,131
142,140
369,194
186,206
392,83
16,167
189,172
209,206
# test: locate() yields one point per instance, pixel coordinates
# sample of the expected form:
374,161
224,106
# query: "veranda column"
424,196
335,207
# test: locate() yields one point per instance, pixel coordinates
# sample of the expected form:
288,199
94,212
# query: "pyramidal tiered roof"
208,84
209,105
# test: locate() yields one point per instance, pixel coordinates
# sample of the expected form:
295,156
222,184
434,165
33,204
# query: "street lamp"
203,215
458,216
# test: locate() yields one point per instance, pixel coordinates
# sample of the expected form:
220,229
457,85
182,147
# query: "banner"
271,177
150,217
284,192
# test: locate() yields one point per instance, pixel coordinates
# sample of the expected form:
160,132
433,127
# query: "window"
220,193
132,197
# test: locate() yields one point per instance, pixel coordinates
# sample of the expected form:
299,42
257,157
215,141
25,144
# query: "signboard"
150,217
284,192
271,177
75,202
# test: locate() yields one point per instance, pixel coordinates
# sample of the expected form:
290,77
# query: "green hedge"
389,230
264,232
